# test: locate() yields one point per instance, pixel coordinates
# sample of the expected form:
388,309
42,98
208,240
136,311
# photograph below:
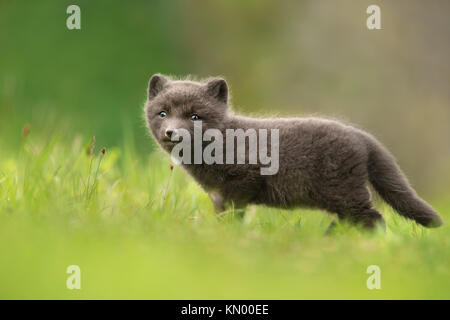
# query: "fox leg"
356,208
221,205
218,202
330,227
367,217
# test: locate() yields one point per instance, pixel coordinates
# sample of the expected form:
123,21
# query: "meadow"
141,230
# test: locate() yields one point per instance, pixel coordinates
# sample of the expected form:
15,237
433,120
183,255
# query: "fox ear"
218,89
156,84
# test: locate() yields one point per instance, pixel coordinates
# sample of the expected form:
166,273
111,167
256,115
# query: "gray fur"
324,164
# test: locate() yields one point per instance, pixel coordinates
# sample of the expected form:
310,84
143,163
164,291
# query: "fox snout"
169,128
169,133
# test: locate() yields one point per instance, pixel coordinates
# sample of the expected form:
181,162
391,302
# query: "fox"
323,163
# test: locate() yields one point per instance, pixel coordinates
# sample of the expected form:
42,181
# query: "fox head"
173,105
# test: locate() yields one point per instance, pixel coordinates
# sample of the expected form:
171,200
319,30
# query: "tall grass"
139,228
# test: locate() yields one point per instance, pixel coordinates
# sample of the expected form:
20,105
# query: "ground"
139,230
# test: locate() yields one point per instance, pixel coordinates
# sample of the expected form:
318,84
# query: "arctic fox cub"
322,163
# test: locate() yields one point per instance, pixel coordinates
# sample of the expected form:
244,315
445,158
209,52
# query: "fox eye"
195,117
163,114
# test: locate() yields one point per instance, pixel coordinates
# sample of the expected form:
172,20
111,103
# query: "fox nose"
169,133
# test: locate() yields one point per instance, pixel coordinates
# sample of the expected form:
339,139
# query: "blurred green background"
280,58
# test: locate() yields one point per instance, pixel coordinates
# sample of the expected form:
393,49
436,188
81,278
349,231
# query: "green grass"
139,231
